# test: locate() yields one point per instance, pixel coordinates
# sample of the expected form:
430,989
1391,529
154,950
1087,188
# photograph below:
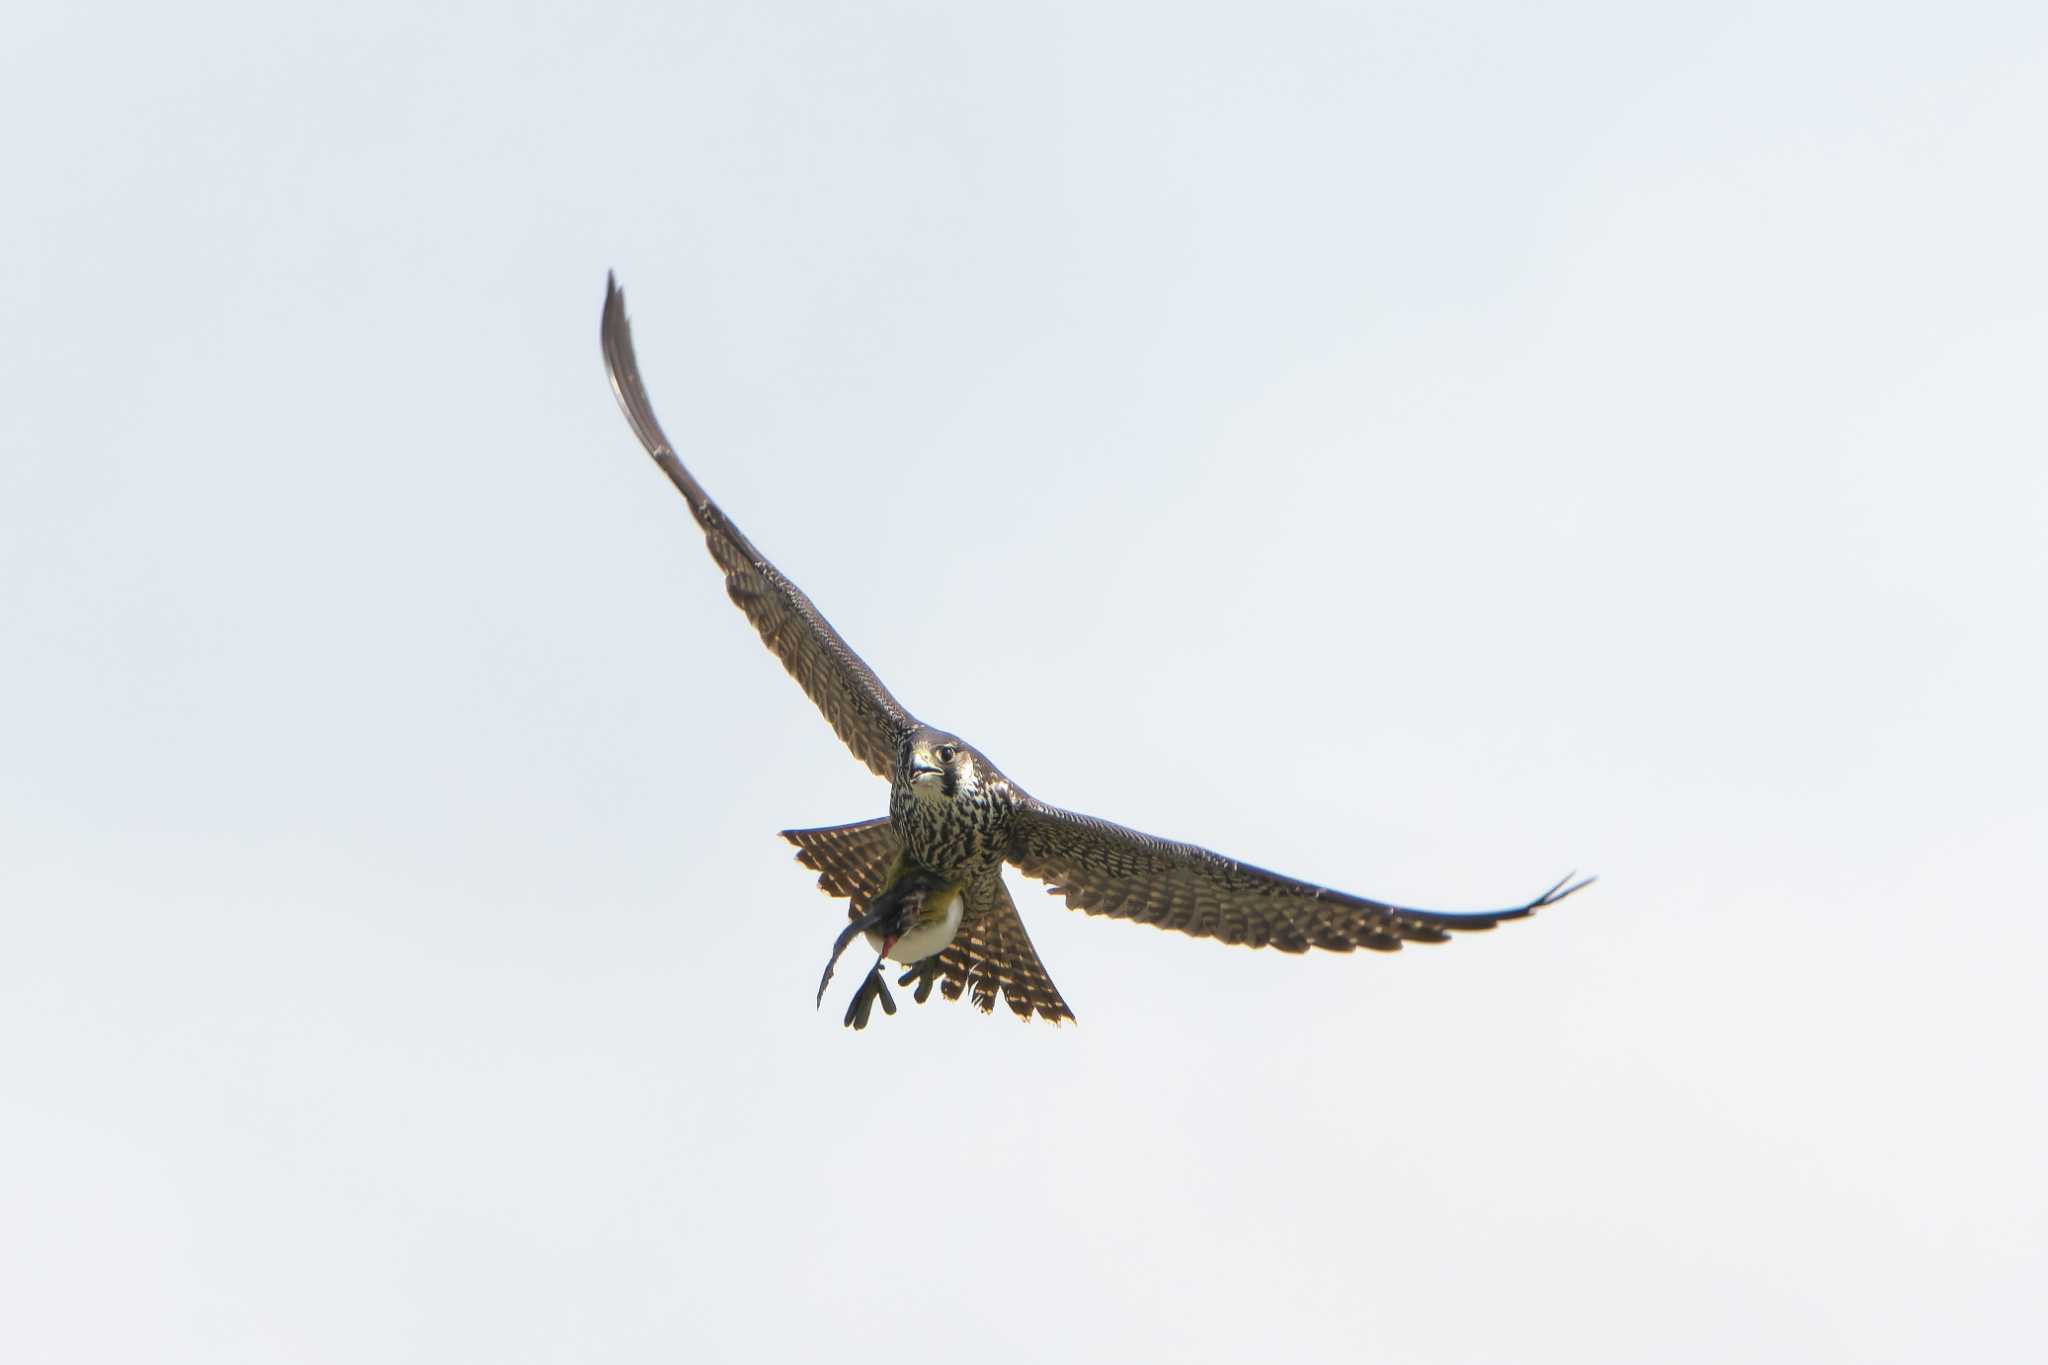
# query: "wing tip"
622,368
1479,921
613,319
1564,886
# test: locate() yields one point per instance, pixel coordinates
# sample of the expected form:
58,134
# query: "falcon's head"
936,766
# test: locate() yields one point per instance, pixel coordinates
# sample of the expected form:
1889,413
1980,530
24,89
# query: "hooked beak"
924,772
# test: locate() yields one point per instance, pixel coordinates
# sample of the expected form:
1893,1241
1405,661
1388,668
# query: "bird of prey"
924,884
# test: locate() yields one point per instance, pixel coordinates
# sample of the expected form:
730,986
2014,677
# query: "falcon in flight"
924,884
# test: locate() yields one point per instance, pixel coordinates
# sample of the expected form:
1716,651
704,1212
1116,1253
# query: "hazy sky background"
1422,448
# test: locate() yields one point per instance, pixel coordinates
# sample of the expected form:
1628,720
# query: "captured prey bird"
924,884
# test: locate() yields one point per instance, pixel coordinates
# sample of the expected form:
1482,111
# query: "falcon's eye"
947,753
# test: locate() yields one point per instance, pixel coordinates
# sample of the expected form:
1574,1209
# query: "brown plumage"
991,956
831,675
955,819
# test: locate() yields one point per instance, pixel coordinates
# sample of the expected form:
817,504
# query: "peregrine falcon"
924,884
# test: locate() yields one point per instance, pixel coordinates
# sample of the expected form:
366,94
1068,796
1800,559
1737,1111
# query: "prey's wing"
1106,869
832,675
991,954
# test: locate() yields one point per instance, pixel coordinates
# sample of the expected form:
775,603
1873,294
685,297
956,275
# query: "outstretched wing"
990,955
832,675
1106,869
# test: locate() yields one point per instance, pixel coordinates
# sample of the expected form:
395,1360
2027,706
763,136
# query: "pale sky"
1421,448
